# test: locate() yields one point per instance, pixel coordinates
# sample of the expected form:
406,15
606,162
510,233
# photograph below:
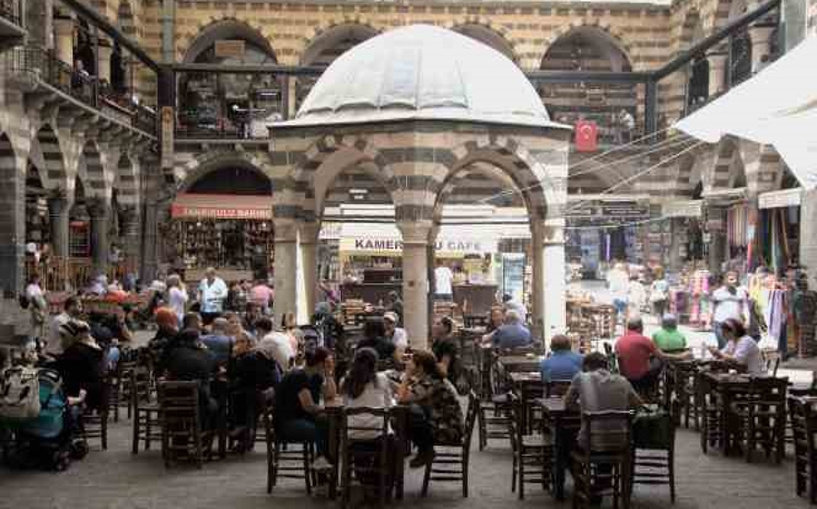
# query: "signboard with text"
194,212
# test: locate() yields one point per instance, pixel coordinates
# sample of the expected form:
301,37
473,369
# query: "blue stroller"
48,441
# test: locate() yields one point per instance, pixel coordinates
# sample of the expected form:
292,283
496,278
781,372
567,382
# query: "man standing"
618,282
443,277
212,292
729,302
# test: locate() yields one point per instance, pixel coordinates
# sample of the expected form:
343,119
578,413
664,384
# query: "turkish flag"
586,136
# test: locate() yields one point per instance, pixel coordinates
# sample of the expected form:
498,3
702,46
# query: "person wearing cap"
395,334
668,338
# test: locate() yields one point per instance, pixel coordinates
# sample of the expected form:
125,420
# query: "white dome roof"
422,72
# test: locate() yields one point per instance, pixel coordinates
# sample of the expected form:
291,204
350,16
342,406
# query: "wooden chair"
493,414
532,453
366,451
142,389
804,428
683,375
452,460
180,416
762,415
601,464
147,427
709,412
94,422
286,460
653,458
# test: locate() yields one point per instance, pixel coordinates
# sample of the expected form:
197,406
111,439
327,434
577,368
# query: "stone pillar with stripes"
130,234
100,213
12,227
415,279
285,268
59,207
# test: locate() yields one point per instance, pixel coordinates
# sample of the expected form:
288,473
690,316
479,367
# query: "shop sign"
229,49
780,199
689,208
363,244
184,211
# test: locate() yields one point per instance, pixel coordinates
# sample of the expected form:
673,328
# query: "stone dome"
422,72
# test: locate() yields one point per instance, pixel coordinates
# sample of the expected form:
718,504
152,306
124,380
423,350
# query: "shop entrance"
224,220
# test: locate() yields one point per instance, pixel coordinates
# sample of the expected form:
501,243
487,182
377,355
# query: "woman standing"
177,296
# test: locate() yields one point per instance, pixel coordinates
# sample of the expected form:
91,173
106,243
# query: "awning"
779,199
777,106
221,206
725,196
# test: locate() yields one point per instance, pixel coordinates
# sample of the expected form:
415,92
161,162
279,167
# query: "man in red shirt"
636,352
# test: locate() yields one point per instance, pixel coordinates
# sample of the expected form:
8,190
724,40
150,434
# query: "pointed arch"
227,29
487,34
330,42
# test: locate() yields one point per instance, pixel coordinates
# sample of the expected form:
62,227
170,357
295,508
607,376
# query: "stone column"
285,269
549,288
104,52
58,212
716,226
675,263
130,234
12,226
761,38
717,72
38,22
64,39
415,281
292,97
309,263
808,234
100,218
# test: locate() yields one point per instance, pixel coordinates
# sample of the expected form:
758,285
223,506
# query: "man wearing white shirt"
177,296
730,303
275,345
212,292
443,277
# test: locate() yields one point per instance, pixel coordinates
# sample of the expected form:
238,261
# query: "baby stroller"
48,441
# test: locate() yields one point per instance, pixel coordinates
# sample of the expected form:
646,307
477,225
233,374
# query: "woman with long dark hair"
436,415
365,387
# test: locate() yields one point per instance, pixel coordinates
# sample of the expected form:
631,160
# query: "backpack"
19,393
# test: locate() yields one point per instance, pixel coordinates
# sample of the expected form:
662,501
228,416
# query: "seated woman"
740,347
365,387
253,375
436,415
81,364
297,409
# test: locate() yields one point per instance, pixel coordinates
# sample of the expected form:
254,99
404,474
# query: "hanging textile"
737,232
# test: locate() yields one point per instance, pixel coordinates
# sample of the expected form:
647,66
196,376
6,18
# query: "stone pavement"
115,479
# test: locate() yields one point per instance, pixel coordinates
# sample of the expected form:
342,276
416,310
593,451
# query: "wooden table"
517,363
564,423
334,413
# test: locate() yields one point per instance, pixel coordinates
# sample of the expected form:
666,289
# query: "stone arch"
92,171
226,28
126,181
328,158
603,34
207,163
47,155
343,35
728,166
486,32
539,190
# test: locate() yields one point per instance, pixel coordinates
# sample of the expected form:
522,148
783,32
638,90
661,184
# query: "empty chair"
452,460
803,429
532,453
493,415
763,417
146,425
653,460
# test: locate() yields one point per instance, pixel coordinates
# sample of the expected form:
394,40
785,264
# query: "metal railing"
47,67
12,10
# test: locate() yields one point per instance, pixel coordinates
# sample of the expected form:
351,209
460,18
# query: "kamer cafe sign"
395,246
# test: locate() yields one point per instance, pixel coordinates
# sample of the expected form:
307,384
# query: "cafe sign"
394,246
229,48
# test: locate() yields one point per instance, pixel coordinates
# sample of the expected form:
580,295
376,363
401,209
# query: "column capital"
760,34
98,207
58,203
63,26
415,232
717,59
551,231
309,231
285,231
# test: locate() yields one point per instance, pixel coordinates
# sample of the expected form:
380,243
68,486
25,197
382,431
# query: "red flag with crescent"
586,136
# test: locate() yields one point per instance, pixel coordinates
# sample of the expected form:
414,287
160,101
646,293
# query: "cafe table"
517,363
564,423
334,414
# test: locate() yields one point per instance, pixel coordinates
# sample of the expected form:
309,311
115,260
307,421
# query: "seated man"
513,334
218,342
638,358
668,338
563,363
297,403
188,360
596,390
